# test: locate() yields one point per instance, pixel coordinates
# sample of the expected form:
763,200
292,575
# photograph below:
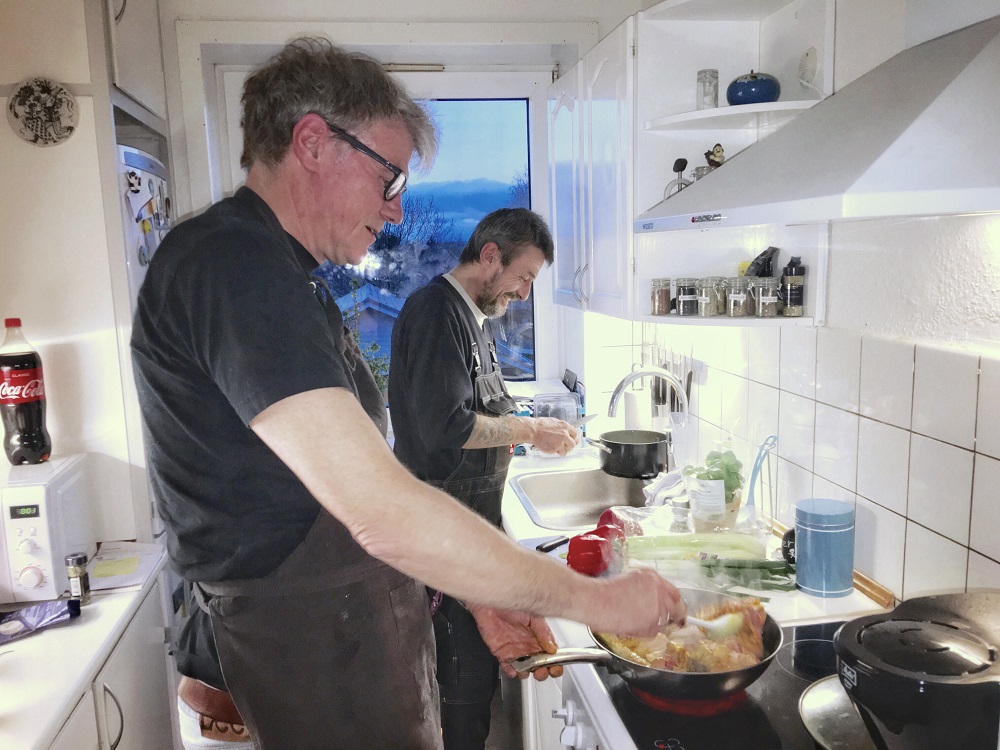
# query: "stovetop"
767,720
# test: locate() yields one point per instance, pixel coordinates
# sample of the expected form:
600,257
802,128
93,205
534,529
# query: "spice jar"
659,303
720,294
687,296
736,296
79,578
708,298
766,294
793,288
708,88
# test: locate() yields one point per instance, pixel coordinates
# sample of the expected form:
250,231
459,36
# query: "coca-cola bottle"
22,399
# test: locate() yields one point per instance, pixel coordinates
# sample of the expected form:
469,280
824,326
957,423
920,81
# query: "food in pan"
686,648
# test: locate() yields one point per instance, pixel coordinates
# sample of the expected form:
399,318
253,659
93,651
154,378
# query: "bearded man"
455,429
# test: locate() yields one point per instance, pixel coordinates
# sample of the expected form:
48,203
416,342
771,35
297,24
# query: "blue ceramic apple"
753,88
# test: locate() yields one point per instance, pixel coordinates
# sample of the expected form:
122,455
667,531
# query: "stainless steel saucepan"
665,683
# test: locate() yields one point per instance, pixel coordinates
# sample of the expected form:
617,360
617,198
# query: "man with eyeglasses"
303,537
455,428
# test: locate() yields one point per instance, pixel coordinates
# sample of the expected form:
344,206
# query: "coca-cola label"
22,386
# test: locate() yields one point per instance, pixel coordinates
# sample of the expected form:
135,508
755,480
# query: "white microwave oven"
46,512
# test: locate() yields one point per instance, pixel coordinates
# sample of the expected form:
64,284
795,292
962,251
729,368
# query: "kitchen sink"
572,500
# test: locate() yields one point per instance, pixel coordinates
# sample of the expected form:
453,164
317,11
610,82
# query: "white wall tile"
940,487
883,464
735,398
762,412
838,367
710,396
879,545
733,345
886,380
983,573
988,415
796,429
794,484
825,488
933,564
984,536
945,390
798,361
764,349
836,451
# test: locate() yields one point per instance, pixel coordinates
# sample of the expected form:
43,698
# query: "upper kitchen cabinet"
566,187
136,59
590,159
790,40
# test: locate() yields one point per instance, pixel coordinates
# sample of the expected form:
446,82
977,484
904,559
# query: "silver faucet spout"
658,372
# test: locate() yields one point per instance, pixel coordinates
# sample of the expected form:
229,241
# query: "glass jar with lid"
736,297
687,296
708,297
720,294
766,296
659,303
708,88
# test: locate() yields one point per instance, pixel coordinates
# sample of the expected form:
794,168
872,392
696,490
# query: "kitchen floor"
505,723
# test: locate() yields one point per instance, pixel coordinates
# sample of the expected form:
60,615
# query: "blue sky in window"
482,150
493,130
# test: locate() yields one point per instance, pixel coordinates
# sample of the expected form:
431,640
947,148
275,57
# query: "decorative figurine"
716,156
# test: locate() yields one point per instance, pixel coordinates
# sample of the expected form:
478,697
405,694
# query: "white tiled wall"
908,432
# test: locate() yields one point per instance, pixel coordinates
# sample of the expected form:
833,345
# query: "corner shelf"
738,116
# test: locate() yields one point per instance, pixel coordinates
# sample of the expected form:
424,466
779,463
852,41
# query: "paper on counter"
123,566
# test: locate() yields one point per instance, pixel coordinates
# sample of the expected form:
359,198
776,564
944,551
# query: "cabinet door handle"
576,295
120,12
121,716
583,271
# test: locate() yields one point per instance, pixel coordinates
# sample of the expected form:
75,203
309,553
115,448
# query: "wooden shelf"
732,117
714,10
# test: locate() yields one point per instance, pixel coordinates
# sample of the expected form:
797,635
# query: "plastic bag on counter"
31,619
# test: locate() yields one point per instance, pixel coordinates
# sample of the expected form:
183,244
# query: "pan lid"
929,648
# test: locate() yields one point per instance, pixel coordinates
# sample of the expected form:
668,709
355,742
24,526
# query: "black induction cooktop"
767,720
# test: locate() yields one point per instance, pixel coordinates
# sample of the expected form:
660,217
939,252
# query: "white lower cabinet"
80,730
540,699
130,691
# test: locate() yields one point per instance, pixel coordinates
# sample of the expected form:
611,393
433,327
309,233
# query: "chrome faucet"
658,372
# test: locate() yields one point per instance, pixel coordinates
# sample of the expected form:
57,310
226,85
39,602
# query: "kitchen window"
482,164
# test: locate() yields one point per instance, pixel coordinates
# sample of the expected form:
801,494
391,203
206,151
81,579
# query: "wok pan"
665,683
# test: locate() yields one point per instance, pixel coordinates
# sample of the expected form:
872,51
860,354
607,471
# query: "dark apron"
334,649
322,655
467,671
478,480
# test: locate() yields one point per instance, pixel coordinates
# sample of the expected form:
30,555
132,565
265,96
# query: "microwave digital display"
23,511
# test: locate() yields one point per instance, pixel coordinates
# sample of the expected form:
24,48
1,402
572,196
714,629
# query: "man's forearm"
493,432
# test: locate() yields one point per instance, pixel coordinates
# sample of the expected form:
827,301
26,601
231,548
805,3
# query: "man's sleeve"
433,348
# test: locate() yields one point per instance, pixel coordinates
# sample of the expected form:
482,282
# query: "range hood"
918,135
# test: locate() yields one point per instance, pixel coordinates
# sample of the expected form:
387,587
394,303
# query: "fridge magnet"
42,112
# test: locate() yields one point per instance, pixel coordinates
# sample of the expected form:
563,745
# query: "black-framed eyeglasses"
393,187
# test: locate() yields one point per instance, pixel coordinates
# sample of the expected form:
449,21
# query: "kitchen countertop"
786,607
44,675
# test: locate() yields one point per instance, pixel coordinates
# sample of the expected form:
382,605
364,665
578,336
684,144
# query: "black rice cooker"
926,675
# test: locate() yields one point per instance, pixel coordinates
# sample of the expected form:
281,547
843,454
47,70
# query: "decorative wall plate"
42,112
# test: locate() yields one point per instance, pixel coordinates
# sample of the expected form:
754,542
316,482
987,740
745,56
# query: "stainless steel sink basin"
573,500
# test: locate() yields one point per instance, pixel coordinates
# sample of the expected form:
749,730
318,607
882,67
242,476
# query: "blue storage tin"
824,547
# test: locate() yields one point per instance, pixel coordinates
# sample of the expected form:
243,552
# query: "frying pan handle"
562,656
598,444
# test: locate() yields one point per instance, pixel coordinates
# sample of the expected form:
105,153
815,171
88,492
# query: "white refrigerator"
145,201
